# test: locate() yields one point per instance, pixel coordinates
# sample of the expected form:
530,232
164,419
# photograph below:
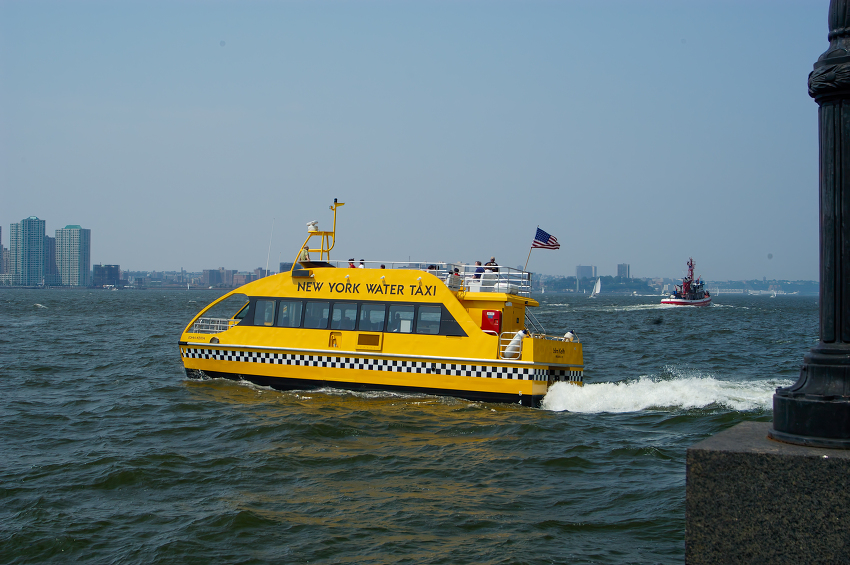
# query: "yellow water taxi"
433,328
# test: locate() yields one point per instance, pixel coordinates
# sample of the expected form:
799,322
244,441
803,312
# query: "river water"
108,454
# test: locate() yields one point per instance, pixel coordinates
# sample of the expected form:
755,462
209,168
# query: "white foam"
678,393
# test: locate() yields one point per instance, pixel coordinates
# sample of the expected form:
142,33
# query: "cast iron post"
815,410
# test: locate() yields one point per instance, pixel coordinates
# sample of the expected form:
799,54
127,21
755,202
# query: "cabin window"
428,321
372,315
233,307
449,326
316,315
289,313
401,318
264,313
344,316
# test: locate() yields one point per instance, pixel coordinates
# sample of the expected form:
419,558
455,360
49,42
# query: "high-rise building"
26,251
73,255
106,275
212,277
51,273
4,256
227,276
585,272
623,271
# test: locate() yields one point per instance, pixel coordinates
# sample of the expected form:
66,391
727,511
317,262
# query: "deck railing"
212,325
499,279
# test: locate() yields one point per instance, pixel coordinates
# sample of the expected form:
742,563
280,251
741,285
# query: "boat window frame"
334,304
304,316
264,312
419,323
448,325
412,320
364,306
288,301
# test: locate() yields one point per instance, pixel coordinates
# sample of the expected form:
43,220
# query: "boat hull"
683,302
280,383
477,380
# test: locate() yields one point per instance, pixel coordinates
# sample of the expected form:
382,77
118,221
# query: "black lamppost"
815,411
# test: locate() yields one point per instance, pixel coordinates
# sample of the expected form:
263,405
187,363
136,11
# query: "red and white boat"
690,292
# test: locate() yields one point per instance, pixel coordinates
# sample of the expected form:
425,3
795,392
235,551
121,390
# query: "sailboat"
596,288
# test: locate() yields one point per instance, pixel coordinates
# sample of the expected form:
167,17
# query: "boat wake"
648,393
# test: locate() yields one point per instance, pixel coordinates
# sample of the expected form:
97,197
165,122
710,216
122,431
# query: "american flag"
544,240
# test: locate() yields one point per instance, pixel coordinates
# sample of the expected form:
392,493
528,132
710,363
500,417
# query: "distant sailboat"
597,287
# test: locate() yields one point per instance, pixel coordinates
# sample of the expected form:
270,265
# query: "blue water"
109,455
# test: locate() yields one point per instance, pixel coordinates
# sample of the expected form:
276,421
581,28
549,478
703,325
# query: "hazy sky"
641,131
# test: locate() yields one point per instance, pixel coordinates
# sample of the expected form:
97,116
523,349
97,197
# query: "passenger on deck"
362,265
491,265
351,263
478,270
453,279
305,253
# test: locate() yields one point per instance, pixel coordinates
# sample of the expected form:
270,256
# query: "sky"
199,135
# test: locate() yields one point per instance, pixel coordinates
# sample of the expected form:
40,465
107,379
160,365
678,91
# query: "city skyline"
73,249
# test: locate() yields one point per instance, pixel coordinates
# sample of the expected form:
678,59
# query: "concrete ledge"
750,499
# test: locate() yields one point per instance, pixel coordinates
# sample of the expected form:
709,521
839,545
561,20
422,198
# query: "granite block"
750,499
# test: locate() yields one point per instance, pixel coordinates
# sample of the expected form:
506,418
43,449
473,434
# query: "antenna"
269,251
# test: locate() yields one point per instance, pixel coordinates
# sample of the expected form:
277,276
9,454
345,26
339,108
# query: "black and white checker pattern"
560,375
372,364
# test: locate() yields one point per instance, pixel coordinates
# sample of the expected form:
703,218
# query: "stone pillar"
815,411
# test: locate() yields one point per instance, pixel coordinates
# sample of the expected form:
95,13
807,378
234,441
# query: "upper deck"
498,279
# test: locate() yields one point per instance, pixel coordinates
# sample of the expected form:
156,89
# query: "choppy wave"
649,393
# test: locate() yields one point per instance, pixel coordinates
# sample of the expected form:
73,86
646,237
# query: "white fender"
514,348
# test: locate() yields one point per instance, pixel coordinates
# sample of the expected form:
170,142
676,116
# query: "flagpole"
529,251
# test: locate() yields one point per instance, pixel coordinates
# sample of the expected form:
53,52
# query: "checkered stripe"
561,375
368,363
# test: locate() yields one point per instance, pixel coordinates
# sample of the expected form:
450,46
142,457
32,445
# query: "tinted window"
372,317
289,313
400,319
428,321
449,326
234,306
316,315
264,313
345,316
